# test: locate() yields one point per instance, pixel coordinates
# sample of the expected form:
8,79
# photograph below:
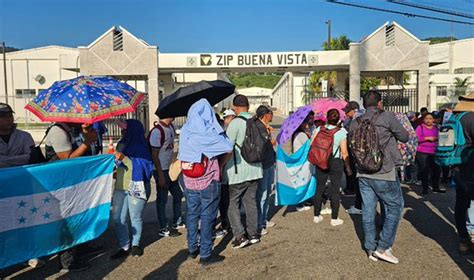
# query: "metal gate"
141,114
399,100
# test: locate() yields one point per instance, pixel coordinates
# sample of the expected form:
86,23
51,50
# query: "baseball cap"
228,112
352,105
5,108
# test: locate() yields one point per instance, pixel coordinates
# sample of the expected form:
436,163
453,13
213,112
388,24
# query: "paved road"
296,248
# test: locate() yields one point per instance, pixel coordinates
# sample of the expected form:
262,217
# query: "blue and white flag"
47,208
296,182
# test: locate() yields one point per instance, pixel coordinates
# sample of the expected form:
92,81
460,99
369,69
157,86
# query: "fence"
399,100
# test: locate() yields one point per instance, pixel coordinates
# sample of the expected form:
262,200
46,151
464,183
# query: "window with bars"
442,91
118,40
25,93
390,35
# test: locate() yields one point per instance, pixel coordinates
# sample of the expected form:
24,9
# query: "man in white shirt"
162,149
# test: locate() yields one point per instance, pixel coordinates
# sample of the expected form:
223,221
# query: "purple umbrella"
291,124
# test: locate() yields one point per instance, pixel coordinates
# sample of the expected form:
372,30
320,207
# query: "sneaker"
193,255
254,239
181,225
121,253
336,222
386,256
174,233
34,263
371,256
137,251
219,233
326,211
210,261
240,242
318,219
354,211
418,183
263,231
75,267
303,208
269,224
164,232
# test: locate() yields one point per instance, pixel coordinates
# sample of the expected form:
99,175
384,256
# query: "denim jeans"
391,199
162,199
263,195
202,205
123,204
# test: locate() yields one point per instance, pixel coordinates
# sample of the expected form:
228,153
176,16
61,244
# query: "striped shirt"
201,183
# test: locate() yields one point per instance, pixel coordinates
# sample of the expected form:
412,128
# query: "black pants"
463,201
352,183
224,207
428,169
335,172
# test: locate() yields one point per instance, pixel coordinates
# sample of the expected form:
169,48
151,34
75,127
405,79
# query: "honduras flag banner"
295,181
48,208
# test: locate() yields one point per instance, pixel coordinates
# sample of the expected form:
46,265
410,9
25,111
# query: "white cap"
228,112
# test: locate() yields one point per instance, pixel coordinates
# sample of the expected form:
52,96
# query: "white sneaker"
326,211
304,208
386,256
318,219
336,222
263,231
36,263
371,256
354,211
270,224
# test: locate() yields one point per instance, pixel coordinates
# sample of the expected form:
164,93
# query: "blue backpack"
451,142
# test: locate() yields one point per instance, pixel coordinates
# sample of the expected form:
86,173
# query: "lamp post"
4,50
328,22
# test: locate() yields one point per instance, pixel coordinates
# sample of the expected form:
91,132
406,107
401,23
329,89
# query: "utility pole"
328,22
4,50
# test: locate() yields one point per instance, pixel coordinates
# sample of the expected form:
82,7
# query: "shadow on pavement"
169,270
438,228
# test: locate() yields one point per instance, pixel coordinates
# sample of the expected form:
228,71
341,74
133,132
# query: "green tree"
438,40
337,44
460,86
368,83
244,80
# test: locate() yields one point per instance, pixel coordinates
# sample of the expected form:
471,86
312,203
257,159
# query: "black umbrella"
178,103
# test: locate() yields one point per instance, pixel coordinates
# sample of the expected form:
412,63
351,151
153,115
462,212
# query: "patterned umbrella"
322,106
85,100
292,123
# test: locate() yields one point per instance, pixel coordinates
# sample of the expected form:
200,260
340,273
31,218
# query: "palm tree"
460,86
339,43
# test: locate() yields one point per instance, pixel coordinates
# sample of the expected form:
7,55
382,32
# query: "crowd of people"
225,192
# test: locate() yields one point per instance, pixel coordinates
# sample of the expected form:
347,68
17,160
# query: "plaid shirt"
201,183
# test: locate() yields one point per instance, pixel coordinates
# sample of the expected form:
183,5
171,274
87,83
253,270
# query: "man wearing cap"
228,116
352,181
15,144
265,115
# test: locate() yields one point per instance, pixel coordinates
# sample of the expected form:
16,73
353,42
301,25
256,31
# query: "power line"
429,8
398,12
439,5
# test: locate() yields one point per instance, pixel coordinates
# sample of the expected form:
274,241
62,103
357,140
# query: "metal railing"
399,100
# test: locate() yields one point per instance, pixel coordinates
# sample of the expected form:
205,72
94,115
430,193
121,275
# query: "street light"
328,22
4,50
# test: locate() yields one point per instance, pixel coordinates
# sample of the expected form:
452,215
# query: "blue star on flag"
34,210
46,215
21,220
46,200
21,204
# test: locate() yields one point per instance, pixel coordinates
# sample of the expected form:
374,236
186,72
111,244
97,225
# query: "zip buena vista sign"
258,59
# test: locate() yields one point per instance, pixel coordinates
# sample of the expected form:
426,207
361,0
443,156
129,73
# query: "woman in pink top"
427,134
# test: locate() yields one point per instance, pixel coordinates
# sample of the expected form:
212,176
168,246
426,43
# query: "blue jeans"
202,205
162,199
123,203
263,196
391,199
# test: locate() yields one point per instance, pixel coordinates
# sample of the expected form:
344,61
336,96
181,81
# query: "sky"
194,26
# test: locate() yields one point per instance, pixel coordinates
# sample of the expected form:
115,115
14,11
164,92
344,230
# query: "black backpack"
365,146
253,147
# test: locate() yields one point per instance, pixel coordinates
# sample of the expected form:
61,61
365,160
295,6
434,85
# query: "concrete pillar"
354,72
423,87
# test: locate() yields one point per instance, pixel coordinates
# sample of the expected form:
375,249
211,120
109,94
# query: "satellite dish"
40,79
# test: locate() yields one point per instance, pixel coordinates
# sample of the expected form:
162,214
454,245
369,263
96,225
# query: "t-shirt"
245,171
59,139
424,146
338,137
166,151
299,140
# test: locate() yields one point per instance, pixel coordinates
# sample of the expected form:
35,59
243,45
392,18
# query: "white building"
257,96
388,50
